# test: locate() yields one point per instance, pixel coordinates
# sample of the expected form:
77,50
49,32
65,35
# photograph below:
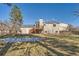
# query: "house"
4,29
44,27
52,27
75,30
26,29
39,24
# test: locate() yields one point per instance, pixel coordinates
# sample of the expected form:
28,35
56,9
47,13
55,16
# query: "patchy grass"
53,46
16,36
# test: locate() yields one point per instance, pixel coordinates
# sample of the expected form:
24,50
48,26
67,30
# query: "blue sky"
33,12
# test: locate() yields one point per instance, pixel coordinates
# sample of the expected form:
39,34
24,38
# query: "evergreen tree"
16,19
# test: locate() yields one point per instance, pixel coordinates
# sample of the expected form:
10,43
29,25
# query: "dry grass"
53,46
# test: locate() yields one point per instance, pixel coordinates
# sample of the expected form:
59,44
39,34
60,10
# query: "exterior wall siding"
25,30
51,29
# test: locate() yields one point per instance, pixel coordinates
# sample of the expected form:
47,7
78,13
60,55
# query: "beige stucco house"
26,29
52,27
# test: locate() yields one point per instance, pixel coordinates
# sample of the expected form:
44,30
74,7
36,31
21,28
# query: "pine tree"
16,19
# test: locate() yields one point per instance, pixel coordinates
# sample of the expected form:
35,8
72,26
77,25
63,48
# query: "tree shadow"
52,50
4,50
68,47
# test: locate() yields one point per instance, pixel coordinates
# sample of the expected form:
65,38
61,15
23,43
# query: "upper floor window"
54,25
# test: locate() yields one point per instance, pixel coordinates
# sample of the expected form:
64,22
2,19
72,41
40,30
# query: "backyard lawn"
52,46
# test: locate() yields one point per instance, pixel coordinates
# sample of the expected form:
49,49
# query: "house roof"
28,26
51,22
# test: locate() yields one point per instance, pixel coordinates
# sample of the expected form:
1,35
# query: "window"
54,25
56,31
45,31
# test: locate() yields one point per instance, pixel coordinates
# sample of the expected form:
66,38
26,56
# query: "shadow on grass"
4,50
52,50
72,49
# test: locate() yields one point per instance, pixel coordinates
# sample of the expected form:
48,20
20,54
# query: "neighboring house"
26,29
4,29
75,30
